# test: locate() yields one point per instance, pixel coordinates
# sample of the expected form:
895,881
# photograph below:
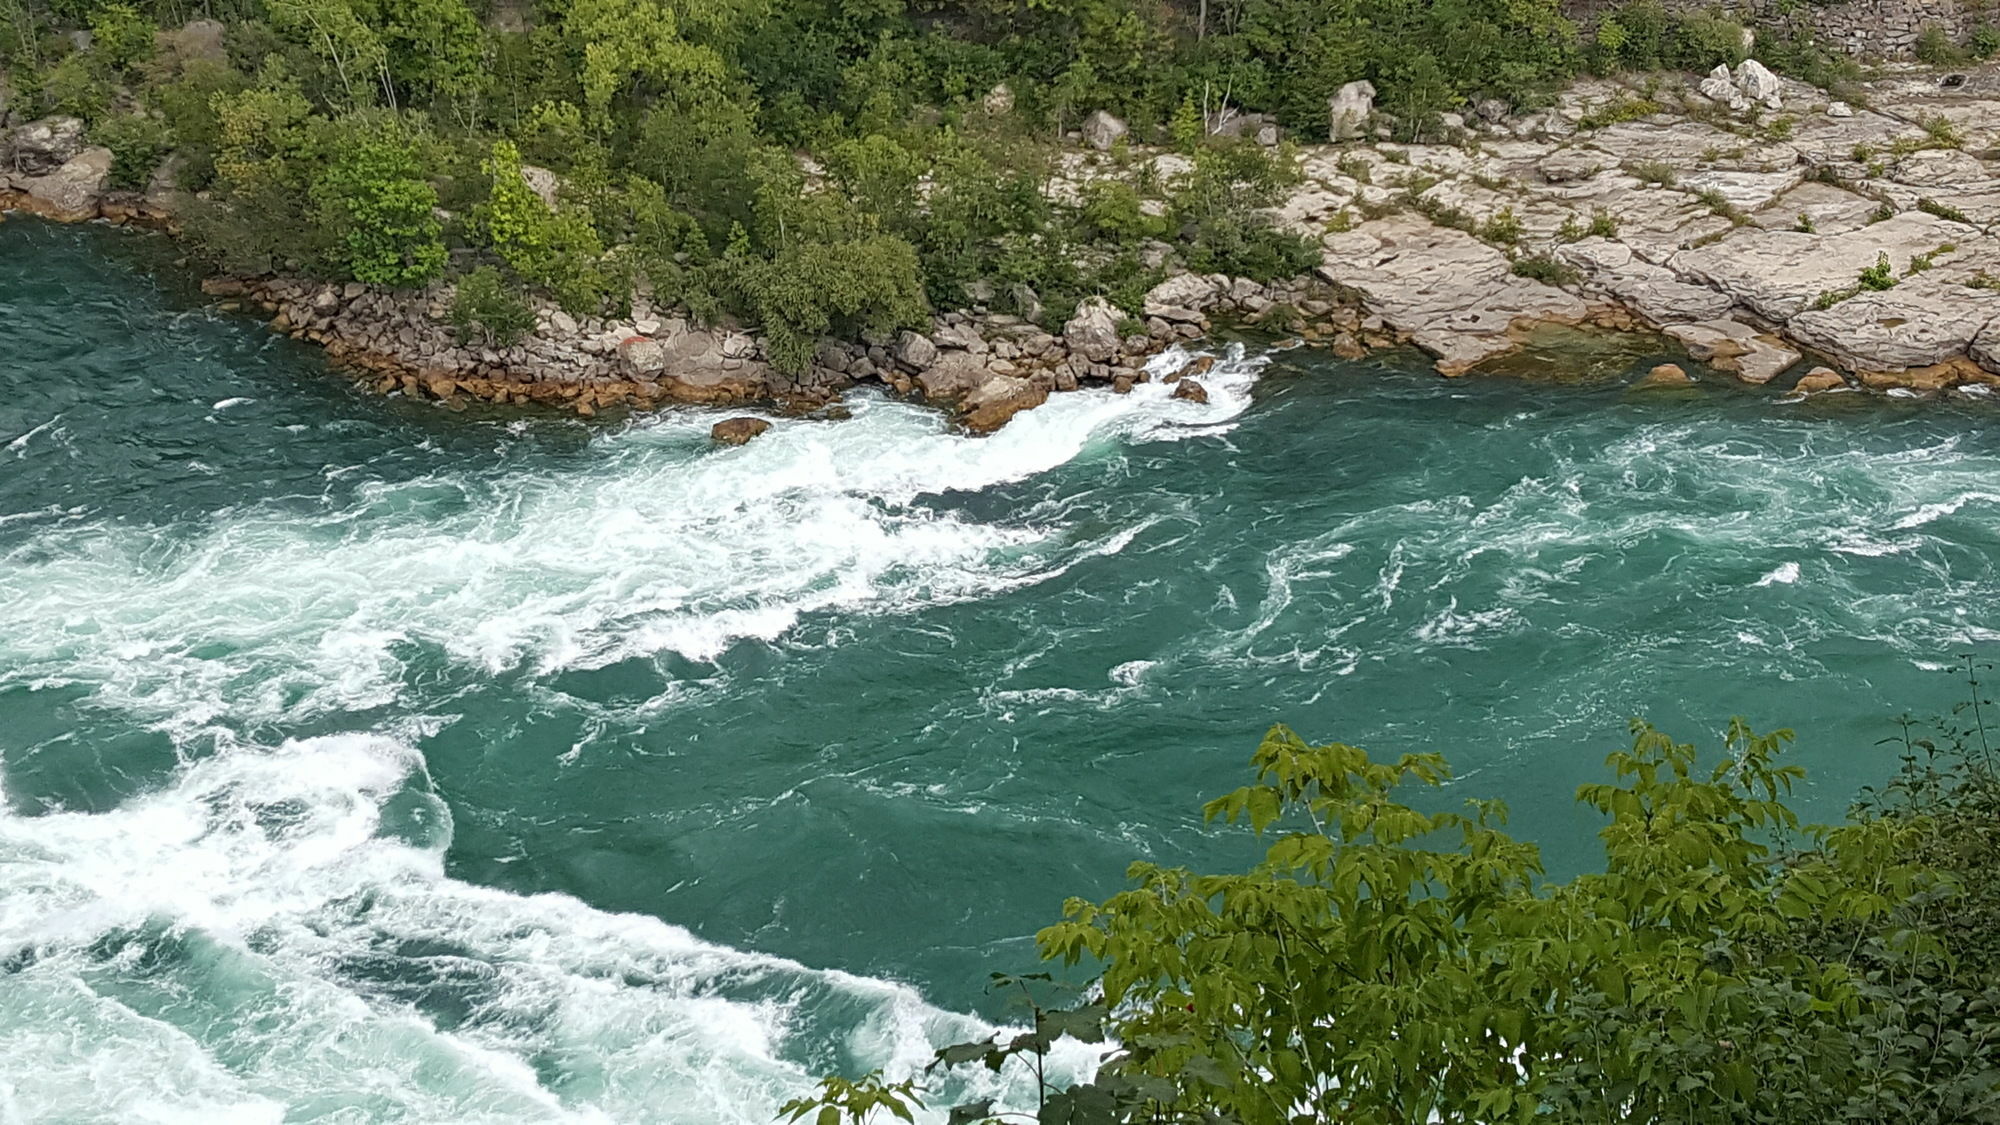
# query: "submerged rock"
1191,391
998,399
1665,375
736,431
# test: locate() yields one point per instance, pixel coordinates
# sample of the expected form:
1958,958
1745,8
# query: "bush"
78,86
1934,47
377,208
558,250
486,310
1546,269
1395,962
137,143
121,35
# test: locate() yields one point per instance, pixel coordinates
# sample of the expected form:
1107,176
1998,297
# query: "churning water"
361,761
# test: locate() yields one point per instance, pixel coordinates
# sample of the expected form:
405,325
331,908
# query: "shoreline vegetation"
1393,961
602,203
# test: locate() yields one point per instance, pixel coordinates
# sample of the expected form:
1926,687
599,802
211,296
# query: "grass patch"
1657,172
1546,269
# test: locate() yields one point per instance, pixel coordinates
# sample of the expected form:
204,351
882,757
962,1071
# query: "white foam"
254,937
654,542
259,938
1786,574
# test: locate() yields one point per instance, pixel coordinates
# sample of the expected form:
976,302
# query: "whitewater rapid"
267,931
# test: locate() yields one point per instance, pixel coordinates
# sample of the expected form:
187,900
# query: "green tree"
121,35
377,209
1393,963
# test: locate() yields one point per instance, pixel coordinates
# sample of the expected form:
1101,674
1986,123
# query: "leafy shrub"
77,86
1502,227
137,143
1943,211
1657,172
121,35
1934,47
1879,276
377,208
1546,269
1392,962
485,309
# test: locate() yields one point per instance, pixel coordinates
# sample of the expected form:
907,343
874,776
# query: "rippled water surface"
363,761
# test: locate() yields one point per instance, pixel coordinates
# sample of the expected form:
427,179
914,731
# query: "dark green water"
361,761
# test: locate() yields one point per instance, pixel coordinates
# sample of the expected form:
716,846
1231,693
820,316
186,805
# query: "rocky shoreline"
1761,225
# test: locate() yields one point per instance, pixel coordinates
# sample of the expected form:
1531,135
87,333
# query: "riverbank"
1775,234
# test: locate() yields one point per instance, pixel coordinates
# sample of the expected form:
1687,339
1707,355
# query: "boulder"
1093,332
1199,365
999,100
1190,292
1820,380
1101,131
195,40
544,183
955,375
736,431
72,192
1729,345
1349,109
41,147
1757,83
994,402
1665,375
642,357
1191,391
1719,86
1838,109
1026,301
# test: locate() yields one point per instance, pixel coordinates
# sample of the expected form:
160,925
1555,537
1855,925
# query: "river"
365,761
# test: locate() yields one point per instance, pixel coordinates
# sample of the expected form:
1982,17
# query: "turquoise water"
363,761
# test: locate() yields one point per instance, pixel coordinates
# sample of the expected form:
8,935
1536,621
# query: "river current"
365,761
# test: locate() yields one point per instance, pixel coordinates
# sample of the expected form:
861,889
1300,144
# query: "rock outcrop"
737,431
1857,239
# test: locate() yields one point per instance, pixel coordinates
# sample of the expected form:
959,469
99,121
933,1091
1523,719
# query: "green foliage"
1879,276
1503,227
137,145
121,36
1546,269
1644,35
485,309
1656,172
1218,207
854,1102
1112,212
1935,47
1626,108
1392,961
372,199
189,105
79,86
1931,206
557,249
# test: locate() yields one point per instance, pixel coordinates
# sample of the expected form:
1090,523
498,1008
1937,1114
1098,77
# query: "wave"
273,935
653,542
